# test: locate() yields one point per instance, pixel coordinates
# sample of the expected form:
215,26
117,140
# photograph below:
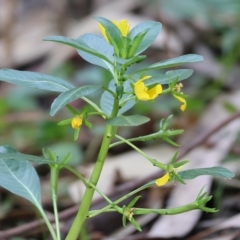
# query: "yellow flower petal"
155,91
123,26
183,101
103,31
142,91
76,122
163,180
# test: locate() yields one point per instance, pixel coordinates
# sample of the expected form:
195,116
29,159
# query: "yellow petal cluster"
145,94
76,122
183,101
163,180
177,88
123,26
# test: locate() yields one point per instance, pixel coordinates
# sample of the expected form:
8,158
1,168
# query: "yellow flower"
76,122
177,88
142,91
123,26
163,180
183,101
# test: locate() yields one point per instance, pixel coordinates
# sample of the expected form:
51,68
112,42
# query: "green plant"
116,51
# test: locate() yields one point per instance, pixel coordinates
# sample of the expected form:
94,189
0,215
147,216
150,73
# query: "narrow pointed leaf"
71,95
190,58
124,218
77,44
134,120
132,203
213,171
135,224
34,80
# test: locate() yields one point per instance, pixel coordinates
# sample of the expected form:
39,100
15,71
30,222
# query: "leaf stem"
49,225
54,190
153,161
92,104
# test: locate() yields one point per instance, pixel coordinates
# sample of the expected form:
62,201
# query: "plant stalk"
88,195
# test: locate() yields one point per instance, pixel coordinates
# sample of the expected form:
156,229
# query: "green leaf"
128,105
124,218
135,224
134,120
20,178
107,99
7,149
190,58
150,36
132,203
180,164
71,95
77,44
213,171
19,156
34,80
181,74
100,45
136,43
113,32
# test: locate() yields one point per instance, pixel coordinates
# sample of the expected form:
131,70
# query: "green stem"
98,113
170,211
108,207
92,104
49,225
153,136
88,195
153,161
54,189
77,174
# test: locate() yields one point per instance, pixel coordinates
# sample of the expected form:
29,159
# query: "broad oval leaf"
70,96
34,80
213,171
134,120
189,58
151,35
77,44
20,178
100,45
